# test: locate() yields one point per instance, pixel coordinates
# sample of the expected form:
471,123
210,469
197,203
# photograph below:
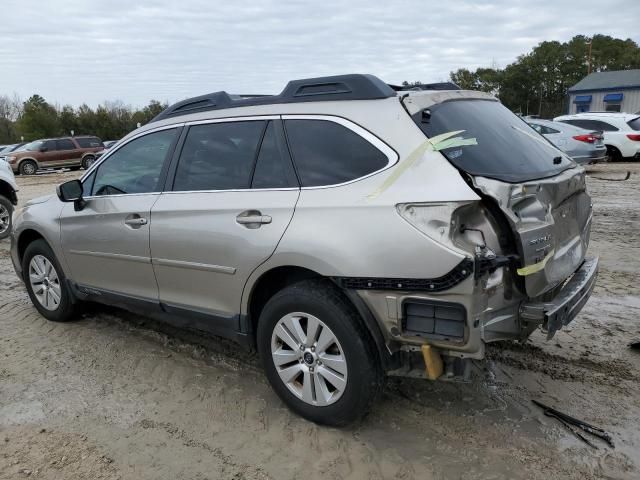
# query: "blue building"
617,91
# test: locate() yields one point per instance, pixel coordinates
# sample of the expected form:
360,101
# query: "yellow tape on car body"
536,267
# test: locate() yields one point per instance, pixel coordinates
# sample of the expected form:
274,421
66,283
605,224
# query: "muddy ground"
116,396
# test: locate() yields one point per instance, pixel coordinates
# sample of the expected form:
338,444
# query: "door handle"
135,221
253,219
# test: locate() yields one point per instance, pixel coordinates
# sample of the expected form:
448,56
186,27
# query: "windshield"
6,149
495,143
33,146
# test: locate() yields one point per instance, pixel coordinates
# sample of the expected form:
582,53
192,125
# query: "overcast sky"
80,51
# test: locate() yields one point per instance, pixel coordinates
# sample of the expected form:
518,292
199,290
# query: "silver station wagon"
346,228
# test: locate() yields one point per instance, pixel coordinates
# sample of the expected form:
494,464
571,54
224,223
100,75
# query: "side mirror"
71,191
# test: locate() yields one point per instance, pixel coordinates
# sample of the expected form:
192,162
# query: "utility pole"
590,43
540,107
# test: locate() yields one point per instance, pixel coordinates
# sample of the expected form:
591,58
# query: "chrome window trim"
389,152
236,190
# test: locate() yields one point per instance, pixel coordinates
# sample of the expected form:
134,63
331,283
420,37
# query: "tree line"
36,118
537,82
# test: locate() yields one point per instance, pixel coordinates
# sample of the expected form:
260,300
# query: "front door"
106,244
49,157
232,196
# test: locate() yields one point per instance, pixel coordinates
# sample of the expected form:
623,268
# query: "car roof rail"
426,86
333,88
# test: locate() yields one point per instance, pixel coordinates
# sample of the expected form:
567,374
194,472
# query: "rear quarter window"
634,124
89,142
327,153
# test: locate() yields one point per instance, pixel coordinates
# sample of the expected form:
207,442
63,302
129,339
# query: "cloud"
73,51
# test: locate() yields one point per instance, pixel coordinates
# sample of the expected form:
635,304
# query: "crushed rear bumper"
563,308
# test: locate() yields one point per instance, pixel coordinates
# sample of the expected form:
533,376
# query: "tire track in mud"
613,372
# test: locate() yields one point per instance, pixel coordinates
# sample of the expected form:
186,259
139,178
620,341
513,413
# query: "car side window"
89,142
604,126
51,145
327,153
65,144
219,156
136,167
549,130
273,167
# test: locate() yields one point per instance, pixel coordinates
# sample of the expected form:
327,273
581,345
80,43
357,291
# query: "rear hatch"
539,189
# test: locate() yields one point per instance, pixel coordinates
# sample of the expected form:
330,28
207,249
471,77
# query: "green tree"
537,82
68,120
38,119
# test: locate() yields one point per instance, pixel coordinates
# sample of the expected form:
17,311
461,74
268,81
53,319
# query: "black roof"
339,87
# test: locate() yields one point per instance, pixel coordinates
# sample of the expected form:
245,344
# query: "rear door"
67,152
228,202
106,244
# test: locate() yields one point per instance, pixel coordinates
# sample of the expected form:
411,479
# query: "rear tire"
613,154
6,212
46,283
28,167
334,377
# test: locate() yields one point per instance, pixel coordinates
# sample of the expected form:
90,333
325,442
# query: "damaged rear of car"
527,236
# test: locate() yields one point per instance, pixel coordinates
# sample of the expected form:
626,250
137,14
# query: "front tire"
46,283
28,167
6,212
88,161
318,355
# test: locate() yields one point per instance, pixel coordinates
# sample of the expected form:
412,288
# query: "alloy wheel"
29,168
45,282
309,359
5,219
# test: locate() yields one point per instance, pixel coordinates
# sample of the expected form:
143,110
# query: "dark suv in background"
74,152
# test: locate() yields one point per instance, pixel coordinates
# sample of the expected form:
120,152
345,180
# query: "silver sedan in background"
583,146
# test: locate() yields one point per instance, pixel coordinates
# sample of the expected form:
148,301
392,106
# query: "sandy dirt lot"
116,396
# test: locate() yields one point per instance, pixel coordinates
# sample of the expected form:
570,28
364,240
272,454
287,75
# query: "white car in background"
621,131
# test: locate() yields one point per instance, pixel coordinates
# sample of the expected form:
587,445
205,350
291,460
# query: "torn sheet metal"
434,144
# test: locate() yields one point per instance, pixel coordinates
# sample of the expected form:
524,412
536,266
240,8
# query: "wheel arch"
24,159
275,279
7,190
25,238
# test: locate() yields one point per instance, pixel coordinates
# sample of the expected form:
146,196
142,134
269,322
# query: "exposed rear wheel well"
275,280
271,283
